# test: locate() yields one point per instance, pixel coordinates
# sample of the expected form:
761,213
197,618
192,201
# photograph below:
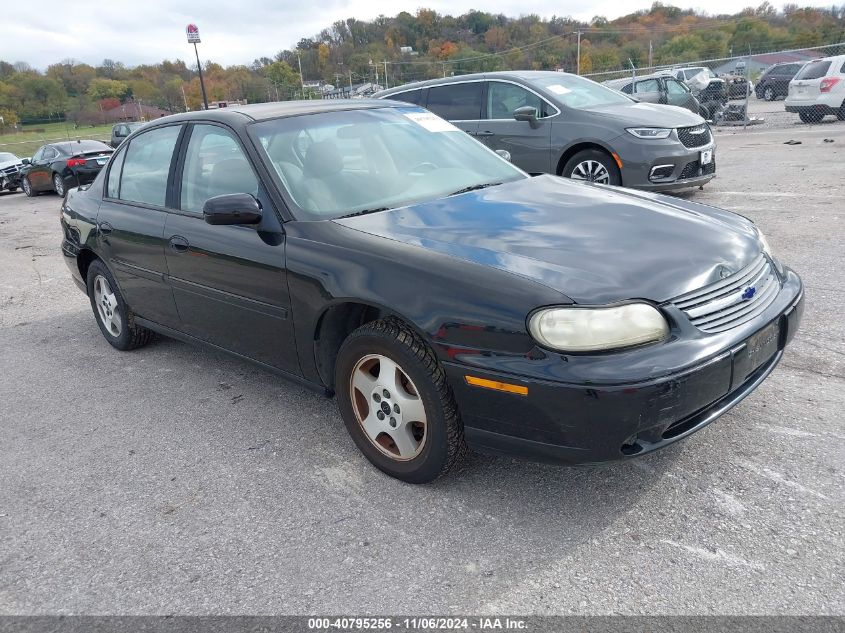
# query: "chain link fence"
752,97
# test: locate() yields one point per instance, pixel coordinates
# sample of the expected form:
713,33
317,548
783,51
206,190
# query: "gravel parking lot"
177,480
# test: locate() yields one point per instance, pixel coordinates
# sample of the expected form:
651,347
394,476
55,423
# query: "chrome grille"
725,304
695,136
13,169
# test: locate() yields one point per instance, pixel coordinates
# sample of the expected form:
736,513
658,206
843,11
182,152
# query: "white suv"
818,89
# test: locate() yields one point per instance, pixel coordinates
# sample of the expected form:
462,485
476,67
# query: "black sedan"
371,250
60,166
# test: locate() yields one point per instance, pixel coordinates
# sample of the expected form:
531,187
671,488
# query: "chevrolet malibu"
373,251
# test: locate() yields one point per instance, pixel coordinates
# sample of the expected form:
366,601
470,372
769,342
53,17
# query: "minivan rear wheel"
593,165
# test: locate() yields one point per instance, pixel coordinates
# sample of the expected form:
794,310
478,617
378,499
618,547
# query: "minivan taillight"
75,162
828,83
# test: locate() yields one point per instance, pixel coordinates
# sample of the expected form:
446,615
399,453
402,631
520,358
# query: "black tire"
59,185
444,444
131,335
811,116
27,187
841,114
606,160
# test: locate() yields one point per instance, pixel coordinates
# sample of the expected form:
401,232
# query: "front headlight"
649,132
571,329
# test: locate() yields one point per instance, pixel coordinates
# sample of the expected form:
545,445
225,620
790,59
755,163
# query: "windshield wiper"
364,212
475,188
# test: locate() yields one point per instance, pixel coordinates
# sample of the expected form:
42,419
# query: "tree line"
410,47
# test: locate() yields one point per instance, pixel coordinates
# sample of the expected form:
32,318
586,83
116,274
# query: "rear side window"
147,166
649,85
456,102
814,70
113,184
626,89
215,165
411,96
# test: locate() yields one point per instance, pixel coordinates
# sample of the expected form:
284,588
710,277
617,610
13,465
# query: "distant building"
756,64
214,105
133,111
357,91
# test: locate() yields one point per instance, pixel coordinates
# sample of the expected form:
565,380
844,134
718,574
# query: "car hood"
594,244
9,163
647,114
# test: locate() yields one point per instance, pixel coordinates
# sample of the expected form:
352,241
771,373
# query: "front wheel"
396,404
27,187
116,321
593,165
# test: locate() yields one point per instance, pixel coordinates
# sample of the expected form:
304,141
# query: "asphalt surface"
175,480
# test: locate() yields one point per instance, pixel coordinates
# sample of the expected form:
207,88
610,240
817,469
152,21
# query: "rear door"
807,83
529,143
229,282
459,103
131,222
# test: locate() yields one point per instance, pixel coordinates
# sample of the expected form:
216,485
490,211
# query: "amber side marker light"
617,159
496,385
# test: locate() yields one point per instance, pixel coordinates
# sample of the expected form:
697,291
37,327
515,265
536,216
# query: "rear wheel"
811,116
769,94
116,321
593,165
27,187
396,404
59,185
841,114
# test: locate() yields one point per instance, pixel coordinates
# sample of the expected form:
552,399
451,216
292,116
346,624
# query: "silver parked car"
558,123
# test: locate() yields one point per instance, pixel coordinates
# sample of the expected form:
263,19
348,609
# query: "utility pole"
385,74
301,79
184,98
650,54
578,62
202,83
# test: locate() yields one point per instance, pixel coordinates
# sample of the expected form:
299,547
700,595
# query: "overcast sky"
239,31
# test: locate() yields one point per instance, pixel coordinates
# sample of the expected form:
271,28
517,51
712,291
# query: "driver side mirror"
232,208
525,113
26,161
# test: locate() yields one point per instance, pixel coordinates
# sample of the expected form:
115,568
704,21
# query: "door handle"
105,228
179,244
484,133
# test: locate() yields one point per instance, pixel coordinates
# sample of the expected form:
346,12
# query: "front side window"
339,163
39,154
503,98
456,102
215,165
578,92
113,184
674,87
146,166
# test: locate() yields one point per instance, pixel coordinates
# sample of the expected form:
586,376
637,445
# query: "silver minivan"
558,123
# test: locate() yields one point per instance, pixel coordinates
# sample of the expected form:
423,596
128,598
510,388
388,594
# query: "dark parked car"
657,89
374,251
557,123
774,82
120,131
10,168
59,166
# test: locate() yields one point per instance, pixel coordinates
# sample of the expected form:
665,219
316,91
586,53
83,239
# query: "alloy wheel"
106,304
58,185
27,188
388,407
591,171
769,94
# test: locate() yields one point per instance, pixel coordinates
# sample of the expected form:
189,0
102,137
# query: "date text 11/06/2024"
418,623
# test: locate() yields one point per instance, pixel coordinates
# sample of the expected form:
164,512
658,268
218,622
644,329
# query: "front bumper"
640,157
587,423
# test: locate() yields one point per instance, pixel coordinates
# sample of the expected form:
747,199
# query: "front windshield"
349,161
578,92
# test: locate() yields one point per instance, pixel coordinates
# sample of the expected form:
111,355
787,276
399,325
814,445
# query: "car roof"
525,75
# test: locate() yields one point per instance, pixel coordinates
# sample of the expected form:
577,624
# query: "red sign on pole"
193,34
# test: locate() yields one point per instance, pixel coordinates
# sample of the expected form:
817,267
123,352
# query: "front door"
130,223
230,282
679,95
529,142
39,174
